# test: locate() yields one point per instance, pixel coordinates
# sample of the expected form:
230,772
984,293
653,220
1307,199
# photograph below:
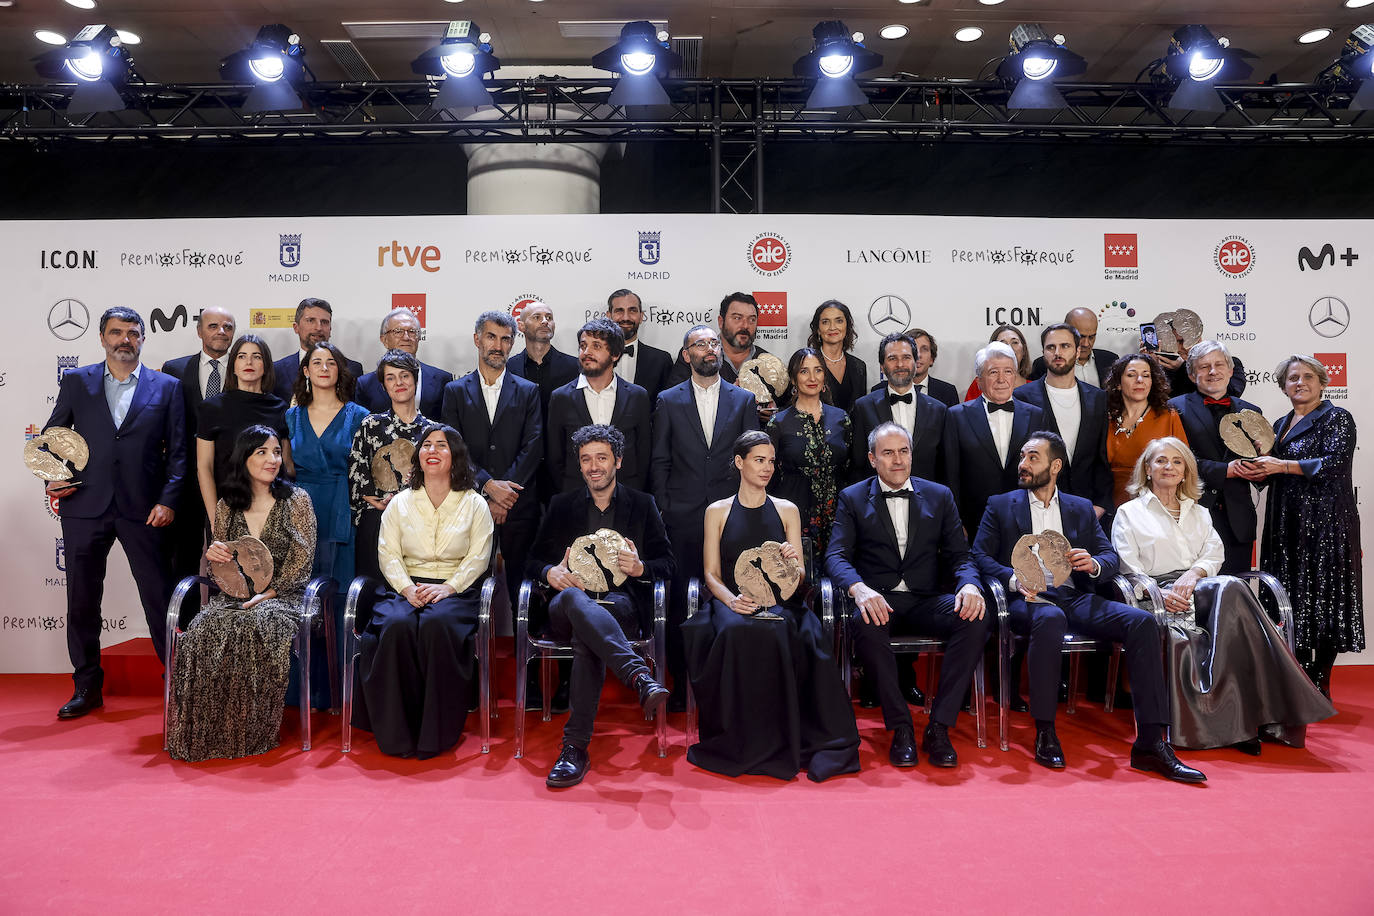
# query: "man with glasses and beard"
738,323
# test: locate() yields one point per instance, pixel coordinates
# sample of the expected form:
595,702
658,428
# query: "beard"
1033,481
705,365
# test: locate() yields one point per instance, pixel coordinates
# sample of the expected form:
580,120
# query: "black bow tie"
1007,406
898,398
896,494
629,349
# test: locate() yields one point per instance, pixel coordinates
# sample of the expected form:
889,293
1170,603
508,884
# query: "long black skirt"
770,697
1232,675
418,674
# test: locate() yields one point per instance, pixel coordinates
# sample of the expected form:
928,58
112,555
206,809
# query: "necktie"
212,384
1218,402
899,398
1007,406
629,349
896,494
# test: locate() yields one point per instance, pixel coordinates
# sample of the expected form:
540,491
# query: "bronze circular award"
764,376
58,454
391,465
1247,434
249,573
594,558
1188,328
761,570
1041,560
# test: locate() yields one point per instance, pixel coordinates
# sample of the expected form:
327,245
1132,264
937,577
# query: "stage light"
1034,58
835,58
275,64
1195,61
463,58
1353,71
642,58
97,60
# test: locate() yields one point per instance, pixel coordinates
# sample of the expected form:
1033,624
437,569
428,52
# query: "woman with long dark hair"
833,337
1138,413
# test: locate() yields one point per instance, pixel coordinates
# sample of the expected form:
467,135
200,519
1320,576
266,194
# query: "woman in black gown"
770,695
812,443
833,337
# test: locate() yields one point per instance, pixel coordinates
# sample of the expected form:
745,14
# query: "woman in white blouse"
1232,679
418,676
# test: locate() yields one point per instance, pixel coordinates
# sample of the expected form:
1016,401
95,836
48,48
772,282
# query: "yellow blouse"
452,542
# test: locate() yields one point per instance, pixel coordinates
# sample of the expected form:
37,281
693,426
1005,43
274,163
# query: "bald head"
1083,320
215,328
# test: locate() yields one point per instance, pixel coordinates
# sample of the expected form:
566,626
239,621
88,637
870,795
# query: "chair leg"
1074,659
546,683
167,687
346,726
1113,678
1003,688
522,661
931,681
980,713
331,647
303,656
692,736
484,675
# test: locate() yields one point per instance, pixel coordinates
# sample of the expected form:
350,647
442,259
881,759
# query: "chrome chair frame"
316,608
654,648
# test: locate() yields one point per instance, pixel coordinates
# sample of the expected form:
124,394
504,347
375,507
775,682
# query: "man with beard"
738,321
1038,506
401,331
1091,366
898,401
598,396
132,418
549,369
646,366
314,324
202,376
926,350
695,427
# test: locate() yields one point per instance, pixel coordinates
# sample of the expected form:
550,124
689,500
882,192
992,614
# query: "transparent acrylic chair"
316,613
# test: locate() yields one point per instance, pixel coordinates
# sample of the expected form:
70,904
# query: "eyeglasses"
405,332
701,346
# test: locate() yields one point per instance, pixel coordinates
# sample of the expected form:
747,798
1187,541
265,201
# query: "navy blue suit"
568,413
373,396
972,469
1072,606
872,410
1227,498
131,469
863,548
1088,475
286,369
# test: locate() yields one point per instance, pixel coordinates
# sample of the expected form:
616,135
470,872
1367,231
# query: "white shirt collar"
583,383
1052,504
1185,504
886,489
496,384
707,388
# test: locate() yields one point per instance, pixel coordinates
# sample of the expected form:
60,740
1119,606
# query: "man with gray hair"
401,331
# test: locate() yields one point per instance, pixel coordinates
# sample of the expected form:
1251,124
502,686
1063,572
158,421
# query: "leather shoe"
1048,752
902,753
1249,746
1159,758
914,695
570,767
935,742
1017,703
83,701
652,694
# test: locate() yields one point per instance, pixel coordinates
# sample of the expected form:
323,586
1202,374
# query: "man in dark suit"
1092,366
541,363
926,351
314,324
600,629
598,396
1078,412
202,376
738,325
983,437
899,402
646,366
133,420
695,427
1181,377
891,533
401,331
1039,506
1225,476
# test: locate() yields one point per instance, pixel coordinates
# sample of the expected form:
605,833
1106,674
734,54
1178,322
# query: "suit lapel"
879,504
1303,425
724,407
621,396
1020,429
977,416
1020,510
142,391
1202,417
95,384
474,383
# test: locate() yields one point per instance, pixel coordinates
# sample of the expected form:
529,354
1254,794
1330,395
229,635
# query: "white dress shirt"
1000,423
490,393
452,542
600,405
1068,414
204,375
1149,541
626,367
904,415
708,400
899,510
1087,372
1044,517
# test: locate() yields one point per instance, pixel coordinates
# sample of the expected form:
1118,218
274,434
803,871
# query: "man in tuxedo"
1048,614
1076,411
133,420
202,376
314,324
695,427
1225,476
401,331
983,437
598,396
600,628
646,366
899,402
738,323
926,350
1092,365
891,532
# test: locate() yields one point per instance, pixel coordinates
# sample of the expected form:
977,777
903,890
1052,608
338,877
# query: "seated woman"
417,675
231,667
1233,679
770,694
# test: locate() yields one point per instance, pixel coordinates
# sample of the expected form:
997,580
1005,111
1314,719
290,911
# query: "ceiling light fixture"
1036,57
1313,36
893,32
836,56
968,33
463,58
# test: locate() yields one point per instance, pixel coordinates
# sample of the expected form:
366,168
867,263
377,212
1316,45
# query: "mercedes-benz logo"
1329,316
889,315
68,319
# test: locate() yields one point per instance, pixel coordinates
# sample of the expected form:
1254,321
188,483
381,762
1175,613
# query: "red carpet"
96,816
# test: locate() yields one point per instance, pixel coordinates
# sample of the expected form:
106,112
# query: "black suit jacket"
971,466
863,543
1212,458
186,369
941,391
1088,475
559,368
872,410
652,370
1008,517
137,466
1102,359
373,396
1180,384
508,449
683,373
685,475
287,368
568,413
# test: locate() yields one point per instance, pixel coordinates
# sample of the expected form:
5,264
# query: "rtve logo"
425,256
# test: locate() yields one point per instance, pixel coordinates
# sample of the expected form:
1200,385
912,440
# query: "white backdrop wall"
956,277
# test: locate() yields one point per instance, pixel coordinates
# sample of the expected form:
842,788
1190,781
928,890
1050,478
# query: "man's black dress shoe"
1159,758
935,742
914,695
1249,746
1017,703
902,753
1048,752
652,694
570,767
83,701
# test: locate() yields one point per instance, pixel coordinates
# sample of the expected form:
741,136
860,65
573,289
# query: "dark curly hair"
236,489
460,473
850,335
343,386
1159,386
599,432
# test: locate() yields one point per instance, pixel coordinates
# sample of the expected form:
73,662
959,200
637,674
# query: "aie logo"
68,319
1234,256
66,260
31,432
1235,309
426,256
289,250
1327,256
1329,316
769,254
61,558
889,315
649,250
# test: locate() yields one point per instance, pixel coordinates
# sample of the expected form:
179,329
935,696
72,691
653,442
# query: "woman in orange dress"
1138,413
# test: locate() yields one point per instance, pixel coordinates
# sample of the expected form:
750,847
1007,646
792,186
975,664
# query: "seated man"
1048,615
597,626
889,534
